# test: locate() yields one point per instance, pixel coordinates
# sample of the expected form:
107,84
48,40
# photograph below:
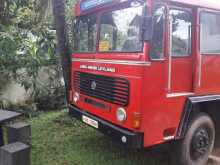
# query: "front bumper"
133,139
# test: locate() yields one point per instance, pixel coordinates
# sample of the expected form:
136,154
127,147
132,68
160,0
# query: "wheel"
198,143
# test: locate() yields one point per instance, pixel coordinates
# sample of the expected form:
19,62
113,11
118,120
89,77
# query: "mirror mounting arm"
147,28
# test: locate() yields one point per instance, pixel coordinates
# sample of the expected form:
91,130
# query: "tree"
27,47
62,38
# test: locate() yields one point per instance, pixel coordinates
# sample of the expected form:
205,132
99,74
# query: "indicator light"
136,122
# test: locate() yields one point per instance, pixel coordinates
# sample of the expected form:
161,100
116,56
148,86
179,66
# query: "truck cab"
138,67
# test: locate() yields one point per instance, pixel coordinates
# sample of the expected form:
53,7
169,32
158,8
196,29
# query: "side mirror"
147,27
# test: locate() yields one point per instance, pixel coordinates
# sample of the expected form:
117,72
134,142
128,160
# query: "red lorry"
146,72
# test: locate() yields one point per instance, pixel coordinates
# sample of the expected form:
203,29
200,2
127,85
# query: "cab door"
180,60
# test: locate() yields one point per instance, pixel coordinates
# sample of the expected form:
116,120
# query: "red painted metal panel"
182,75
210,75
133,74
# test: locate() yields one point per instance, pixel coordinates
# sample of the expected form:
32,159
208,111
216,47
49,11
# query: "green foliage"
27,46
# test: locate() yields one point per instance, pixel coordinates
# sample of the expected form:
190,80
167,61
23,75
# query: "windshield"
119,31
85,33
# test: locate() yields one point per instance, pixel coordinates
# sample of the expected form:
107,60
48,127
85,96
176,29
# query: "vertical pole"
1,136
200,60
170,53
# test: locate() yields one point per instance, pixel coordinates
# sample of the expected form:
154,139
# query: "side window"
181,32
157,51
210,33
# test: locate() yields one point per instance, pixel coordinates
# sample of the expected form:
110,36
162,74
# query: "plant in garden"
28,48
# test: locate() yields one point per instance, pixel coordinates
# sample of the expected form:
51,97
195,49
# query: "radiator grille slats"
109,89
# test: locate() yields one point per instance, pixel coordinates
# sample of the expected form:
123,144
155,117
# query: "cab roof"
211,4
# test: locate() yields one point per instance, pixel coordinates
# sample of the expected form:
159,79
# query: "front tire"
198,143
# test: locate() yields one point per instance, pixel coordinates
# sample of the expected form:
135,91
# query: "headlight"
121,114
76,97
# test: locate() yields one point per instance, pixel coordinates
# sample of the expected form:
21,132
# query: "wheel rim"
201,143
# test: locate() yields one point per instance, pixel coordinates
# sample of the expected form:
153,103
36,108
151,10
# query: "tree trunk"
2,8
63,49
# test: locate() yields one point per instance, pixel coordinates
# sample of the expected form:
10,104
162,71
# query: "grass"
58,139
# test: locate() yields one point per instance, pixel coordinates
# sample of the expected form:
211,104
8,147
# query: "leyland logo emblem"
93,85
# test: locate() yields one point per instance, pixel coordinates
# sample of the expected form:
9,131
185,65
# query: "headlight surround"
121,114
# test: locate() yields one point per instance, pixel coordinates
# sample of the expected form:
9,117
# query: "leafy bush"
28,48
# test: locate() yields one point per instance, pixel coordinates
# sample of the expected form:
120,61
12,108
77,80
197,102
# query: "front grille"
109,89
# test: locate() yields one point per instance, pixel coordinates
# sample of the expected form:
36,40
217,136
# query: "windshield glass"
119,31
85,32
